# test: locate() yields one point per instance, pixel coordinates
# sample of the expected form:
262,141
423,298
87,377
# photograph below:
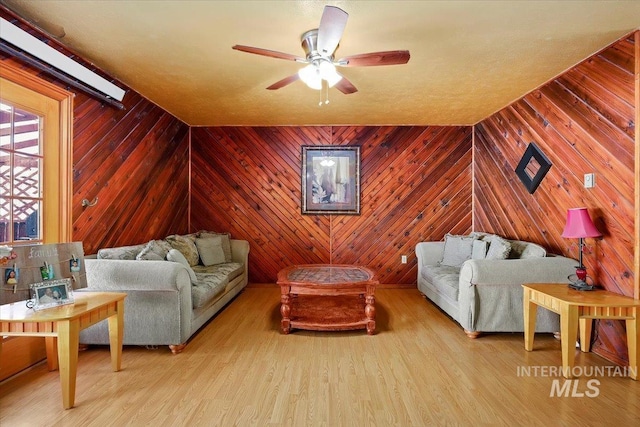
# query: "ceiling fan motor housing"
310,46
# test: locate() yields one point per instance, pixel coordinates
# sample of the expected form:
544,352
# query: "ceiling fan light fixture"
310,75
313,74
328,72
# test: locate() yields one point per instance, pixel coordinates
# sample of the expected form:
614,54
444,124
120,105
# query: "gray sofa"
479,284
167,302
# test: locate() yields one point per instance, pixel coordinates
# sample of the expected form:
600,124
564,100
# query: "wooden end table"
61,326
327,297
578,308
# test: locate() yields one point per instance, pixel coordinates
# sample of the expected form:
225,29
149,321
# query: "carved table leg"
285,311
370,312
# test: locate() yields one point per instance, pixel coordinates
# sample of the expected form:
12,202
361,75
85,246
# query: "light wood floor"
419,369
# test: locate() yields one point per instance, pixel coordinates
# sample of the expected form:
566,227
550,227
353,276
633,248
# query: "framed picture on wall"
532,168
331,180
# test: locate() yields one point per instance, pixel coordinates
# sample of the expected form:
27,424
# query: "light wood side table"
579,308
61,326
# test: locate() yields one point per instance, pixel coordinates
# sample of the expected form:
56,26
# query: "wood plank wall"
584,122
415,181
135,161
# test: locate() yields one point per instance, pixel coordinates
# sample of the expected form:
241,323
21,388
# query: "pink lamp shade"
579,224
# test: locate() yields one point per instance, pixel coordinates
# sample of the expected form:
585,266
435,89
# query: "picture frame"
330,180
51,293
11,276
533,167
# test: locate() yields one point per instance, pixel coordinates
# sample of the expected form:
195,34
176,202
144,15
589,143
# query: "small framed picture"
11,276
74,265
52,293
46,271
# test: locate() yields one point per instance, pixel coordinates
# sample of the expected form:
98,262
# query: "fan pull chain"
324,92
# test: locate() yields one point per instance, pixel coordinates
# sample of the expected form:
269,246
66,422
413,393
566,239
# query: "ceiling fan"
319,46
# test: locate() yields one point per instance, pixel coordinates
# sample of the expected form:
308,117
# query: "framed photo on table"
51,293
331,180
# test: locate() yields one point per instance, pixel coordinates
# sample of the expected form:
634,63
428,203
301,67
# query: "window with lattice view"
21,160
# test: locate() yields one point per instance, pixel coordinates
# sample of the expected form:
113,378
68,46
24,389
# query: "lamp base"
578,281
581,285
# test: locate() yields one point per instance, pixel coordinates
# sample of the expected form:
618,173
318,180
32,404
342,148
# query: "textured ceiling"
468,58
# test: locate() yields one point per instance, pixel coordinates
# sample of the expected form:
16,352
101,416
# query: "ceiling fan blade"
390,57
269,53
345,86
330,30
286,81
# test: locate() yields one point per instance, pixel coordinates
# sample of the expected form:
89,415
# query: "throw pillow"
122,252
176,256
186,246
523,250
226,242
155,249
499,248
457,249
211,251
479,249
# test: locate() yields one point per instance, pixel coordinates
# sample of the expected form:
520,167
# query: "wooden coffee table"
327,297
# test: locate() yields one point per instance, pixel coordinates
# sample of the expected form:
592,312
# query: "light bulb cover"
328,72
310,75
313,74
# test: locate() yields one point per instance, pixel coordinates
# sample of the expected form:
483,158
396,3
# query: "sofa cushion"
523,250
226,242
208,287
230,269
176,256
122,252
499,248
479,249
444,278
210,249
186,246
457,249
155,249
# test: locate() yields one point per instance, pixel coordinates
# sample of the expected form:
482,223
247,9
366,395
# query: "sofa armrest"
429,253
553,269
158,307
240,253
490,291
121,275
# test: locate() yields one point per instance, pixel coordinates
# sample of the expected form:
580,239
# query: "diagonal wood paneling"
136,161
415,186
584,122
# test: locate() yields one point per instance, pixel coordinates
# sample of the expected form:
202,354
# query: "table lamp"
579,225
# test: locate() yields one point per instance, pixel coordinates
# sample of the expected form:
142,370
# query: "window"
35,159
20,175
